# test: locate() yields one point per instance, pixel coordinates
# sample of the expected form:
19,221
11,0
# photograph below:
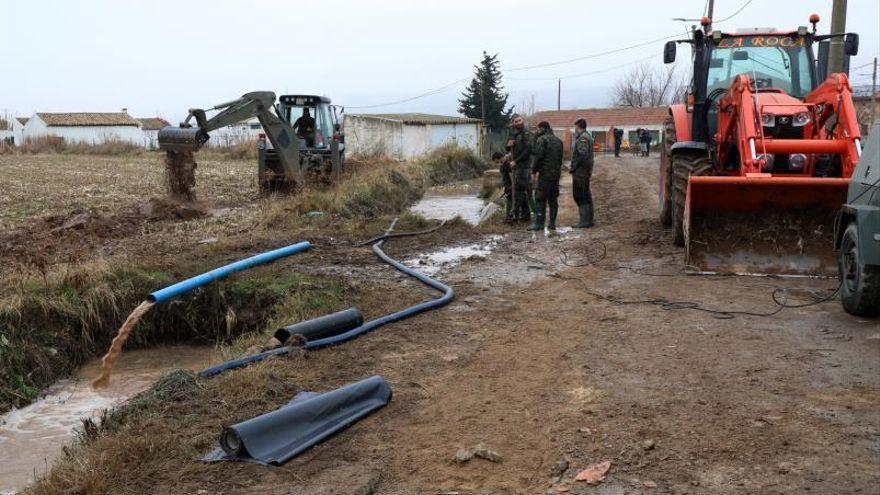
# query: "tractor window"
779,62
323,127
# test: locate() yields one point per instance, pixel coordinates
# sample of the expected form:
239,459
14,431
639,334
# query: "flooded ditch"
33,436
459,199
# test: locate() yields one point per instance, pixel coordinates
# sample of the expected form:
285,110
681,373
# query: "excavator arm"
187,138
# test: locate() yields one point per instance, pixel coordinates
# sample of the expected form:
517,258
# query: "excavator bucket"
760,224
173,138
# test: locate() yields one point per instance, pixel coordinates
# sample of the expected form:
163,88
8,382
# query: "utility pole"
559,94
874,95
838,25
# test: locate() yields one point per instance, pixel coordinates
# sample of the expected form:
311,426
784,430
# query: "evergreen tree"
486,87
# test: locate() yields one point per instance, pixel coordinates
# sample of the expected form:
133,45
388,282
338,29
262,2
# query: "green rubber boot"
551,223
585,213
540,211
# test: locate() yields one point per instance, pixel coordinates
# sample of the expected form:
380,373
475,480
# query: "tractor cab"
780,63
312,117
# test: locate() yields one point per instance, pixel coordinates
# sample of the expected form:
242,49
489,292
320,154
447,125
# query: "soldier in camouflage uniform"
581,171
546,169
519,145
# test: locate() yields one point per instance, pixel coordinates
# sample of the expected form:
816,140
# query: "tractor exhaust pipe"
182,138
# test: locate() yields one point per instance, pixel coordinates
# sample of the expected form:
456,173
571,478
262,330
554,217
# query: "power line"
583,74
593,55
405,100
517,69
731,16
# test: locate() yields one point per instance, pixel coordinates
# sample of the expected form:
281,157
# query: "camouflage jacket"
521,143
548,154
582,154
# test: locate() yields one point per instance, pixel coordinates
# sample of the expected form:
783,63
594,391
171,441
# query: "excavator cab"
759,157
313,120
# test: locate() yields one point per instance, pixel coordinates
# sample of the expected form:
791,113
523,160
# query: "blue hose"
189,284
369,326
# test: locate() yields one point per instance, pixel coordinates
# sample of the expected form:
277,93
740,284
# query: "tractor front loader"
759,158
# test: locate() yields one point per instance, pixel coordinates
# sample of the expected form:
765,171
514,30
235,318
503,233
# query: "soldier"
581,171
519,145
546,169
304,127
506,183
618,140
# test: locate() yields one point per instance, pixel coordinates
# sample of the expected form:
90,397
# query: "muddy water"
32,437
447,202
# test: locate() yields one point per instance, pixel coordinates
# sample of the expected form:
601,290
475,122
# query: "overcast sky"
163,56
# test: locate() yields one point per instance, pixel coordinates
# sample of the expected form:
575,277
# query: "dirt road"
554,380
548,376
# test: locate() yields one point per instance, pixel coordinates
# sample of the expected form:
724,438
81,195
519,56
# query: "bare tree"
649,86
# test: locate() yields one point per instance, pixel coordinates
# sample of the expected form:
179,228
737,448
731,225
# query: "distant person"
305,128
645,140
618,141
519,150
506,183
546,168
581,172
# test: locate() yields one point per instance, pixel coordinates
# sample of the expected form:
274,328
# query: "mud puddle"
32,437
454,200
432,263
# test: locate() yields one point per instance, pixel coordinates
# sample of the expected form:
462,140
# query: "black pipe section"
446,298
389,235
280,435
322,326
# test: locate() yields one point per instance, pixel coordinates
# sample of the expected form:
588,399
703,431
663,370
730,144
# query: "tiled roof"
153,123
87,119
420,118
604,117
23,120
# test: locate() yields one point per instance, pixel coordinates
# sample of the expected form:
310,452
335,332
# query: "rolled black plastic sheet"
278,436
322,326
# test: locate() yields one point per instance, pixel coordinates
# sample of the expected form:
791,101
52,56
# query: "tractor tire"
664,193
683,166
859,283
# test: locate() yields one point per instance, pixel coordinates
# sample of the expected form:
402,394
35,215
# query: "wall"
371,136
232,135
17,132
376,136
85,134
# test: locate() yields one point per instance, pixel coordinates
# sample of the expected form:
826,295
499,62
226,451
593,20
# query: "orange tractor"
757,161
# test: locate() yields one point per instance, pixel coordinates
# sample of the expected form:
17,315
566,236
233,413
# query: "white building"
406,135
18,129
89,128
242,132
150,126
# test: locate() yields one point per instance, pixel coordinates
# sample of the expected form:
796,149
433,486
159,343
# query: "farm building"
601,120
406,135
18,124
151,126
238,133
89,128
